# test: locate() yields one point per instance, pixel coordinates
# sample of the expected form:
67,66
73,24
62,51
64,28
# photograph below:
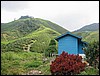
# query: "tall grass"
17,63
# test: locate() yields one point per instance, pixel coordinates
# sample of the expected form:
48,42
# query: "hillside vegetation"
18,63
27,42
28,34
91,27
23,43
89,33
89,36
22,27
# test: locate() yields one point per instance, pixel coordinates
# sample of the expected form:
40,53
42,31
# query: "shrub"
92,53
67,64
33,64
51,49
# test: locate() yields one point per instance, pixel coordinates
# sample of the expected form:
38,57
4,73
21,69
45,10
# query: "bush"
33,64
51,49
92,54
67,64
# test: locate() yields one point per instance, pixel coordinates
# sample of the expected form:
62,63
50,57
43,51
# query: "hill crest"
91,27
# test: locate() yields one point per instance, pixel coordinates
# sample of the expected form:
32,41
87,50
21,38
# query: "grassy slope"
17,29
41,37
93,36
22,27
91,27
89,36
13,63
52,25
16,34
17,63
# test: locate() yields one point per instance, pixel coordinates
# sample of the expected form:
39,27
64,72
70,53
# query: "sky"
71,15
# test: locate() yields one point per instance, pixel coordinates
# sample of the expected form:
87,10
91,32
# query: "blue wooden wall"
68,44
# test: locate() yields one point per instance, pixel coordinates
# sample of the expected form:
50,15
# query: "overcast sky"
71,15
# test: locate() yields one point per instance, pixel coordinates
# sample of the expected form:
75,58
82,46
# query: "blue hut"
70,43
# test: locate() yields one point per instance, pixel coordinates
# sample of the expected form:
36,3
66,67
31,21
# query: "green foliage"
92,53
13,63
89,36
18,29
19,63
23,32
3,47
90,71
24,17
33,64
52,42
46,69
52,48
22,27
51,25
40,41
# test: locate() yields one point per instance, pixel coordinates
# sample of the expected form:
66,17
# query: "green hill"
91,27
89,33
52,25
28,34
89,36
22,27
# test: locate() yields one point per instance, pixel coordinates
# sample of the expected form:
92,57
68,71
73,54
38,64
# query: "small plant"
90,71
67,64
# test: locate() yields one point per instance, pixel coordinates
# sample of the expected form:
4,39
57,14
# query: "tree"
92,53
24,17
52,48
52,42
